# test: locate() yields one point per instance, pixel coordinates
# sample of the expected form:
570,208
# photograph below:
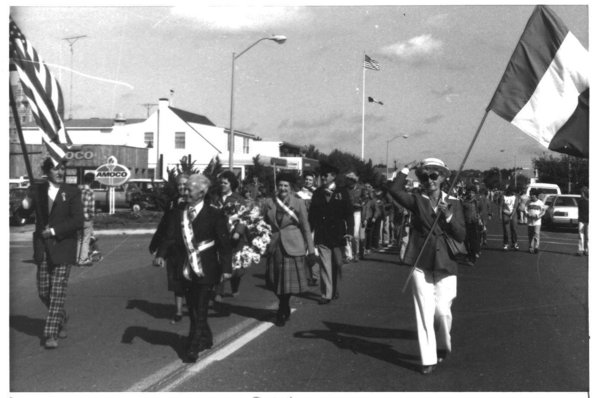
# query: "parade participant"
85,235
486,212
331,217
509,202
472,215
291,240
535,212
583,206
367,219
228,200
522,210
434,276
306,193
198,238
355,193
58,218
254,188
166,258
378,218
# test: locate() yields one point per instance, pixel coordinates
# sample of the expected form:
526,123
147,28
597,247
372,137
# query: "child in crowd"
535,211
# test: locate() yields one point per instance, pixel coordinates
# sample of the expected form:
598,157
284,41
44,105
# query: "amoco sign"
112,173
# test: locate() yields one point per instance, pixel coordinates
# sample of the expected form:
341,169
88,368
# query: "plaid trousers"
52,289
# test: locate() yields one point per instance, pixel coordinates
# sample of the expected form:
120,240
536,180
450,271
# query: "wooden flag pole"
437,217
15,113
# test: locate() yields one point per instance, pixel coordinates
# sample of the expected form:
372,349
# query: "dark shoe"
336,296
51,343
280,319
442,355
426,370
191,356
536,250
177,318
323,301
62,331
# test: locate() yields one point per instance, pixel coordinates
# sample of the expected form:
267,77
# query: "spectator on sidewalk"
355,193
367,219
535,212
583,205
331,217
522,209
509,202
434,276
164,256
472,215
58,218
85,235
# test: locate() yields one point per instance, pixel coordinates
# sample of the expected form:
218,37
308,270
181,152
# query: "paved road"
520,324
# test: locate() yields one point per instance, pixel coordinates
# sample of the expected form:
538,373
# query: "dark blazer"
65,217
436,256
294,235
331,220
210,224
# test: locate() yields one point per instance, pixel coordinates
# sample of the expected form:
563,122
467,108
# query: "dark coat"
331,220
209,224
65,217
436,256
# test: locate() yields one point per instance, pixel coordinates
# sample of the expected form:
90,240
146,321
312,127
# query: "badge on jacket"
64,197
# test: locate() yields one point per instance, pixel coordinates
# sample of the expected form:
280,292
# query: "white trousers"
353,245
583,237
433,294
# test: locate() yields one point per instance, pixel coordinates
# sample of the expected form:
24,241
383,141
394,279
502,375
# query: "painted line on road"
177,372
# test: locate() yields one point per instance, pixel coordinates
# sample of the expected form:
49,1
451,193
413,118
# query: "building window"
149,139
246,145
180,140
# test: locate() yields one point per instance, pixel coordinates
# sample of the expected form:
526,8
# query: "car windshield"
565,201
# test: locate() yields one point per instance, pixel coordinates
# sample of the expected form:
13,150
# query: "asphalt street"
520,325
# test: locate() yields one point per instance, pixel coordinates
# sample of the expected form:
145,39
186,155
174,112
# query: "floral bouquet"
258,233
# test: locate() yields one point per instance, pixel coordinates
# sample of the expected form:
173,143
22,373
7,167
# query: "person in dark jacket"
583,205
331,217
434,276
197,237
58,219
472,214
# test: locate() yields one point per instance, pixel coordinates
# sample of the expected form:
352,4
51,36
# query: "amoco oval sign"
112,173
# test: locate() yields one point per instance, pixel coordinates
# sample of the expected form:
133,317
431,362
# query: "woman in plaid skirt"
291,240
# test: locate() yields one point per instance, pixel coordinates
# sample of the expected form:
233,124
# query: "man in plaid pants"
59,216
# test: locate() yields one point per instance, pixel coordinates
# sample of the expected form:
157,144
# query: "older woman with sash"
291,240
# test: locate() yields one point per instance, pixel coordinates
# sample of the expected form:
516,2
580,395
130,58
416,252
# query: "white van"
543,189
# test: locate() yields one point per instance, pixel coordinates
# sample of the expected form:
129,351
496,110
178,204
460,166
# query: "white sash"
287,209
193,249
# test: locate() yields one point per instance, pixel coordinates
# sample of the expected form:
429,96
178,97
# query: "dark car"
16,214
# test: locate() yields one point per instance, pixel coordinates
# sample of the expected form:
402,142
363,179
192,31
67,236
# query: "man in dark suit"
197,237
59,216
332,220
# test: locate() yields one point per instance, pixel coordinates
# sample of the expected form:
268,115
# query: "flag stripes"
43,92
542,86
370,63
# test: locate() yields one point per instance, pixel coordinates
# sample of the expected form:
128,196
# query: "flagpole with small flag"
544,92
368,63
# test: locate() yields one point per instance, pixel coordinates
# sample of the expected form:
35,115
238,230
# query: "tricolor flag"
42,91
545,88
375,101
370,63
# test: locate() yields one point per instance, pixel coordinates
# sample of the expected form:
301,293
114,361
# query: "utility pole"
71,40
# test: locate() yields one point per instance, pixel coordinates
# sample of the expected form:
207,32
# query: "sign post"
112,174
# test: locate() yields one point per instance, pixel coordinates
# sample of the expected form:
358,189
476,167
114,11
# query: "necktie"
192,213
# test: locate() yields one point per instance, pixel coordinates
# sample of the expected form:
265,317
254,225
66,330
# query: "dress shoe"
427,369
280,319
336,296
191,356
51,343
323,301
442,355
62,331
176,319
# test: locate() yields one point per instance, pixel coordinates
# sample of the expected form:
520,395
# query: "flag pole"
437,217
13,107
362,142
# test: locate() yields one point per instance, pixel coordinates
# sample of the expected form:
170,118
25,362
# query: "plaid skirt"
286,274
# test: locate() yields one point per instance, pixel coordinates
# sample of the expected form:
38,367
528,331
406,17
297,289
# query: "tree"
565,171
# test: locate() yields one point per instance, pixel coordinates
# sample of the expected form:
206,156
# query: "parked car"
561,210
135,194
15,215
543,189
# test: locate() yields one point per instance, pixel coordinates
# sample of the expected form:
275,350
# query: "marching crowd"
211,234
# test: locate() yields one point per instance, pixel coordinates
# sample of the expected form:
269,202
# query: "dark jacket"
331,220
209,224
436,256
65,217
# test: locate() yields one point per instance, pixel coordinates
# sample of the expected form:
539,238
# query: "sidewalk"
23,234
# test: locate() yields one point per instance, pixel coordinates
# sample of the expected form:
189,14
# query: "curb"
25,236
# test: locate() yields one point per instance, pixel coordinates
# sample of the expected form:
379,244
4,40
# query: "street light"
279,39
387,154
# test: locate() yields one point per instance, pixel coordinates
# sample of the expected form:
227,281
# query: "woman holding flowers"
291,240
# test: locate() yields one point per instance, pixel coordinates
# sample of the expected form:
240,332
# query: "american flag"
43,92
370,63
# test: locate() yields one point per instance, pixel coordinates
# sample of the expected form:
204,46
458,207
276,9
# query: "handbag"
458,250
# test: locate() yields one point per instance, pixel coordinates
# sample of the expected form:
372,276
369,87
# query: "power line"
71,40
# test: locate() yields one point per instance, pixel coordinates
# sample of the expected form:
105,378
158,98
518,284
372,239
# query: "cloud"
433,119
239,17
313,123
415,49
447,93
438,20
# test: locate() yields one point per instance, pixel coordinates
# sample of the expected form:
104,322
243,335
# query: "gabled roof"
190,117
94,122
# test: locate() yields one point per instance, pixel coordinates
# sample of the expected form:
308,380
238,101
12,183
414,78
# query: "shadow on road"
338,334
260,314
29,326
155,337
156,310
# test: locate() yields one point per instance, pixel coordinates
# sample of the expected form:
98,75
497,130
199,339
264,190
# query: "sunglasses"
431,176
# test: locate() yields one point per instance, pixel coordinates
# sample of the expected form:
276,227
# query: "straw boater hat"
352,176
432,164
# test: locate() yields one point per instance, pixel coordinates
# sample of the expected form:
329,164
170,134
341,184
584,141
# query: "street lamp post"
279,39
387,153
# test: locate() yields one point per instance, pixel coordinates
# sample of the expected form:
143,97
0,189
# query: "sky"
440,65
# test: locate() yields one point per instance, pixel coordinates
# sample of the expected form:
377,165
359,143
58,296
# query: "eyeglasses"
431,176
